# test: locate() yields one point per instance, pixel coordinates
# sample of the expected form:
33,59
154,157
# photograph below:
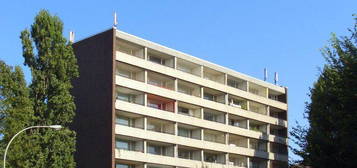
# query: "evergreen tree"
331,139
16,113
53,65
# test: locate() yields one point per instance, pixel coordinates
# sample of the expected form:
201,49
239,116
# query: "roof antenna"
71,36
276,78
115,20
265,74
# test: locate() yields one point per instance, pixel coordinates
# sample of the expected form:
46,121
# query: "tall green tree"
16,113
53,65
330,141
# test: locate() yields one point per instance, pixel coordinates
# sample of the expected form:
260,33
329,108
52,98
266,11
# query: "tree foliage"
46,101
16,113
331,138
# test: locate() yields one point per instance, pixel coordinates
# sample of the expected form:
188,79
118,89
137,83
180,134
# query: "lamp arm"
8,145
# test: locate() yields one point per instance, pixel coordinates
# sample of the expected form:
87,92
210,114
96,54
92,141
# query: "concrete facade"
141,104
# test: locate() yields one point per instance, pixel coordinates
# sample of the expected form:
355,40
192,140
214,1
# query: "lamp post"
57,127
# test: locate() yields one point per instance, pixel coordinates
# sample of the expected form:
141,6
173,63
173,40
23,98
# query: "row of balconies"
124,143
183,152
197,70
193,132
161,103
188,88
255,163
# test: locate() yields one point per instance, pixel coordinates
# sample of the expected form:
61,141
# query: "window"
185,90
254,91
124,73
209,97
211,158
153,105
232,83
157,150
155,82
235,123
120,144
154,127
184,69
183,110
123,121
274,97
156,59
184,154
210,116
123,166
126,97
184,132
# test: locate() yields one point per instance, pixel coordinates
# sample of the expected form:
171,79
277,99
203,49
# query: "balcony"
214,157
189,110
160,58
129,95
238,102
237,83
160,103
189,153
129,119
129,143
258,126
188,67
274,95
128,164
237,160
189,131
214,136
162,81
213,115
125,163
235,140
258,145
257,90
214,95
278,148
258,163
278,164
237,121
129,48
213,75
131,72
188,88
258,108
161,126
159,148
158,166
278,131
277,113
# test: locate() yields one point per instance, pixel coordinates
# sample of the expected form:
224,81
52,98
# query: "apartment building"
143,105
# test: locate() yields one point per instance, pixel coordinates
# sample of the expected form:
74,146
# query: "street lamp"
56,127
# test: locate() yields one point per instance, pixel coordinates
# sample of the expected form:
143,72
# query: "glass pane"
124,97
155,59
123,166
183,110
183,132
122,145
123,121
154,150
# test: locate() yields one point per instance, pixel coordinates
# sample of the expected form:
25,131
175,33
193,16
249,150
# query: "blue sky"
247,36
